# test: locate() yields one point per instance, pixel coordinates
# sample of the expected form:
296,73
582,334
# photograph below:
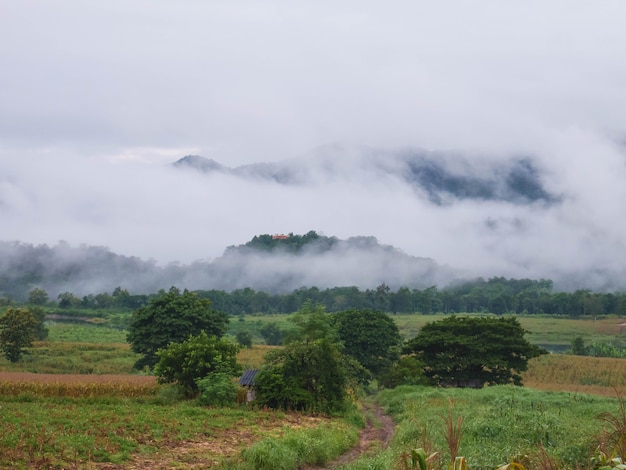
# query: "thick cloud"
95,100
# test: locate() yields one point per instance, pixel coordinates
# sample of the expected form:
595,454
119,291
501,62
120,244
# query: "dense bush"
197,357
217,389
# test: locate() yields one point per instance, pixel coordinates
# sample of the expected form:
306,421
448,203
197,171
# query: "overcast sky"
97,97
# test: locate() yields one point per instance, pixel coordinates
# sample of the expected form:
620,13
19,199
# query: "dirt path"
374,437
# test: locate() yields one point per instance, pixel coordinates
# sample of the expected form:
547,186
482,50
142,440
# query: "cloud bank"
97,100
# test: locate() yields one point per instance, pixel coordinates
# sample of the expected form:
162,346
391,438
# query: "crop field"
109,432
595,375
26,384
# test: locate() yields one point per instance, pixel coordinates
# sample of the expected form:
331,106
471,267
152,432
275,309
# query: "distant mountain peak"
200,163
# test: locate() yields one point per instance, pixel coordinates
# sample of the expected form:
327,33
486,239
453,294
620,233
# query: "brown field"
583,374
77,385
253,358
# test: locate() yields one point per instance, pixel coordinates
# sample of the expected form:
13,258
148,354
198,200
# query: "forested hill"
291,243
271,263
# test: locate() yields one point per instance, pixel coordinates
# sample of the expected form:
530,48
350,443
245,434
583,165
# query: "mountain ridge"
441,177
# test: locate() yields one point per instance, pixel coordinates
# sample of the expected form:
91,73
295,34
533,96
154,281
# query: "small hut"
247,380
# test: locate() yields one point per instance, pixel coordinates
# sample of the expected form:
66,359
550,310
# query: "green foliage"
602,461
171,318
310,372
596,349
417,459
309,375
578,347
37,296
500,424
17,332
311,323
296,449
371,337
272,335
40,331
217,389
604,349
195,358
473,351
68,300
408,370
244,339
290,243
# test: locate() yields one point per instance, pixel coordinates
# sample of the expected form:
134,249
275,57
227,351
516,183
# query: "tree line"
326,357
495,295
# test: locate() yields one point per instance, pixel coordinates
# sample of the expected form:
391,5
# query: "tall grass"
296,448
502,425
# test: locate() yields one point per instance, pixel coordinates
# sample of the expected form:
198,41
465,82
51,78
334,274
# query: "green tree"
68,300
311,323
578,347
464,351
40,331
311,372
244,339
401,301
195,358
369,336
171,318
37,296
272,334
17,332
408,370
306,376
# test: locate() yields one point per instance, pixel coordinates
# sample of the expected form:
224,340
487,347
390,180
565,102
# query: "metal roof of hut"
247,379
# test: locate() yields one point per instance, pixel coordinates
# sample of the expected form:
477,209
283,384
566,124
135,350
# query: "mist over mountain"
442,177
274,264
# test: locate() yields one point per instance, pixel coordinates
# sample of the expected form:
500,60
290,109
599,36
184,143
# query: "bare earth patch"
222,443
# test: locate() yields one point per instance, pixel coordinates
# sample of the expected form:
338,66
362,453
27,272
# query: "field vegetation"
137,432
95,411
495,426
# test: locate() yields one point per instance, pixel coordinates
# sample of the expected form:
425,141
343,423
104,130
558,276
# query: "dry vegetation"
583,374
76,385
253,358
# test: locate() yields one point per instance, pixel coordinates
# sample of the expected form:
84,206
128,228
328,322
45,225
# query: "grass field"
553,333
494,426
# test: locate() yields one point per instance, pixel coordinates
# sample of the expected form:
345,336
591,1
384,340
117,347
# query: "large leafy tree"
369,336
311,372
17,332
38,296
194,359
171,318
473,351
305,375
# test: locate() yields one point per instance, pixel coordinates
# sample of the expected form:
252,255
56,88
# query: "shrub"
407,371
217,389
184,363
